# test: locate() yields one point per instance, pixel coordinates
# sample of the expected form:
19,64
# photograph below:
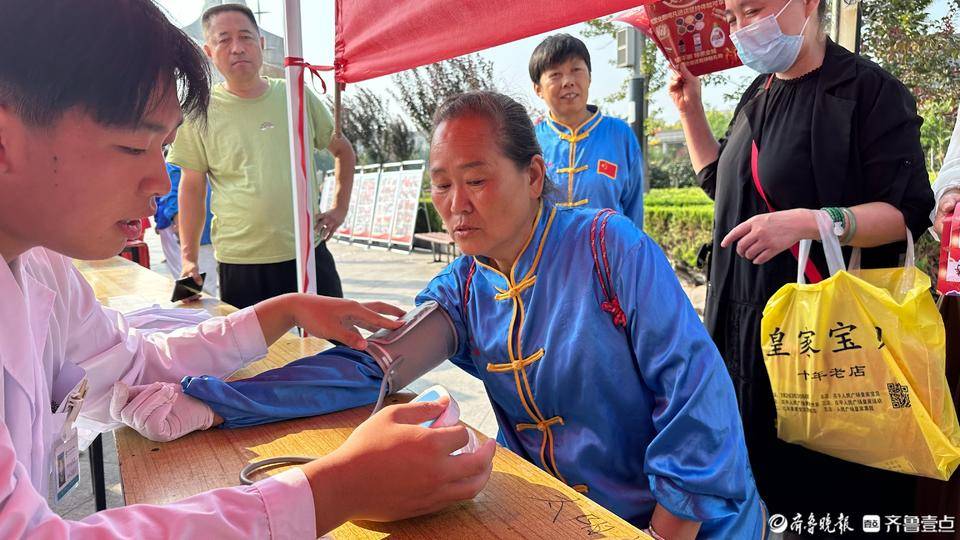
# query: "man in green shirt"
244,152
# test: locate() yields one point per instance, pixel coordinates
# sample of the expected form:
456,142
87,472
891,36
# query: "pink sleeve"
279,507
101,341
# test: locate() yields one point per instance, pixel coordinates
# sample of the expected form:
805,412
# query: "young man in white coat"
90,92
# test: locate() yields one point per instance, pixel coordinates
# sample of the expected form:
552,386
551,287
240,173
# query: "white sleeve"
949,177
100,341
279,507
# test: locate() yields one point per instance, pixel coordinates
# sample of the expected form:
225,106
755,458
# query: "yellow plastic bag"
856,363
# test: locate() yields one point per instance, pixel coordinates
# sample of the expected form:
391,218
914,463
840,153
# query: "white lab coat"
949,177
51,321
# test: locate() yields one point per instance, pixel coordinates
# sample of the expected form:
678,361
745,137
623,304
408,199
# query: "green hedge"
676,197
680,220
928,257
680,230
436,224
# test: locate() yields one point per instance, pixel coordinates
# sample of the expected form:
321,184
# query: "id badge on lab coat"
65,474
65,458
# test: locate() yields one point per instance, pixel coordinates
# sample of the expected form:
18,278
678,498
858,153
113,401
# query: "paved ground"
368,274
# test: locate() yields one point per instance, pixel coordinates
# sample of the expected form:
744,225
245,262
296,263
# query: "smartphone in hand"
187,288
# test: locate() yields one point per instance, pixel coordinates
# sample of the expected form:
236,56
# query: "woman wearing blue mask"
820,128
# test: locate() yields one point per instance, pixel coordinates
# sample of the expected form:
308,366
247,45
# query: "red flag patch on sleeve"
607,168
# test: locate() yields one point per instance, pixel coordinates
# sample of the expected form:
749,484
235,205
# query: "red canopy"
380,37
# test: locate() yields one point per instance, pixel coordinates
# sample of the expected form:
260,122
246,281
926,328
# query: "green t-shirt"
245,151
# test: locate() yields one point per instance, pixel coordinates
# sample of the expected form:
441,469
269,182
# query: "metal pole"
638,100
859,37
303,196
848,24
644,146
835,27
96,473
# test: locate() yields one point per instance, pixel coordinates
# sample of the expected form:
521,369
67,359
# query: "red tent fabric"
380,37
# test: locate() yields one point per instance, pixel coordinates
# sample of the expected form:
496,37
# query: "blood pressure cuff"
426,339
333,380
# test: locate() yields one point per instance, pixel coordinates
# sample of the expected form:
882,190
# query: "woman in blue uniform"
596,364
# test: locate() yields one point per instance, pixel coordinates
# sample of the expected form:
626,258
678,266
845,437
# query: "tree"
672,169
924,54
376,134
652,64
719,121
364,119
421,90
401,141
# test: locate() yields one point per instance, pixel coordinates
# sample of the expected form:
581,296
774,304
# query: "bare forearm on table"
324,477
670,526
192,200
277,315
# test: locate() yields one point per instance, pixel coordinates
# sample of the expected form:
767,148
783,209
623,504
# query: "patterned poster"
365,204
328,191
386,206
346,230
408,200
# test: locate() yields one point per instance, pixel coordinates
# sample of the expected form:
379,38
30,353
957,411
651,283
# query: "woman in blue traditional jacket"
597,366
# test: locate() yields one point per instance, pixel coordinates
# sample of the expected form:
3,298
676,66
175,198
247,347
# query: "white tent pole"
303,189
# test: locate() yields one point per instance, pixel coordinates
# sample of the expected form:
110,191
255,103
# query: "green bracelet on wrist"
835,213
839,219
851,219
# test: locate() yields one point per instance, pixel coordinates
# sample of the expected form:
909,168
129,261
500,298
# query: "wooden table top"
520,500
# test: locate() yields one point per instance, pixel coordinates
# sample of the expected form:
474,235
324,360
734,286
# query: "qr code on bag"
899,395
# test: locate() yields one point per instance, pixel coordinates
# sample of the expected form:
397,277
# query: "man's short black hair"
109,58
556,50
224,8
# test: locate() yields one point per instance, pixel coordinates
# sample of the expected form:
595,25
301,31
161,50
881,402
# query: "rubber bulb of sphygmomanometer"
473,444
450,415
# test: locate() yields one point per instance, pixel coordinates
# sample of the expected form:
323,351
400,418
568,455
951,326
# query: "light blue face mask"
764,47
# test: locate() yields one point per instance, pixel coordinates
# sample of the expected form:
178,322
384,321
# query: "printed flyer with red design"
689,32
948,281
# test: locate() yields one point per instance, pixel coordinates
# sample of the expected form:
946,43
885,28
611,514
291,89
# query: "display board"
408,200
386,209
383,206
328,191
366,202
345,232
